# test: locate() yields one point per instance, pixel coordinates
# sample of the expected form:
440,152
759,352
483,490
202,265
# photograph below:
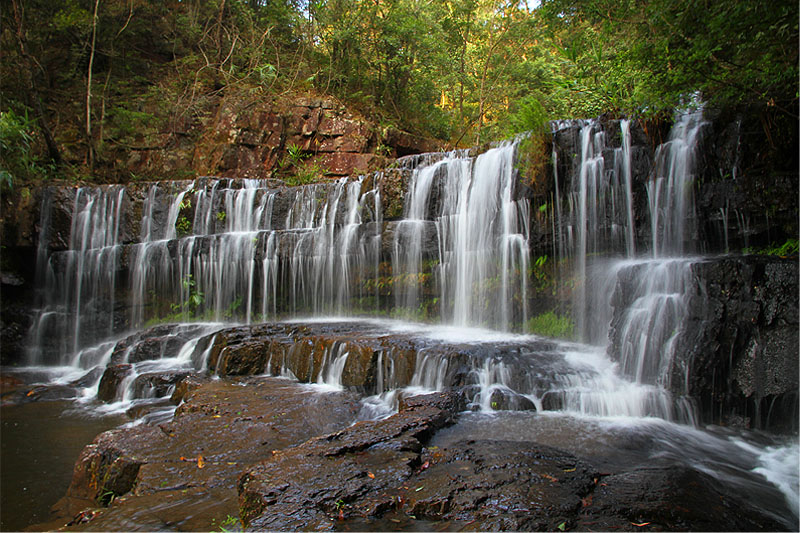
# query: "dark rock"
35,393
736,351
90,378
507,400
114,375
157,384
671,498
741,342
160,341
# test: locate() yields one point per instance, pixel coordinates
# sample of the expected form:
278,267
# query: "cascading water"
669,192
80,284
482,238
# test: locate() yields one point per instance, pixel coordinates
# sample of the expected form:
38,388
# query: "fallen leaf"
370,475
425,465
569,469
31,393
640,525
418,489
551,478
200,461
587,501
216,416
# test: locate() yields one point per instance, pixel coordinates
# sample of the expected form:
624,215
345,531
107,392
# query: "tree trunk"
90,154
34,98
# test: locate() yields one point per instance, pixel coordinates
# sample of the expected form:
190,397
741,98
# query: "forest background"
85,80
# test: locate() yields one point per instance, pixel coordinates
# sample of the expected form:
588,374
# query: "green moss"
550,324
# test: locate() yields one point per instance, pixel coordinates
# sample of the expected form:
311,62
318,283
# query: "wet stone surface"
357,471
272,454
181,475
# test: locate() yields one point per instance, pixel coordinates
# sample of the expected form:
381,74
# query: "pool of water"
39,444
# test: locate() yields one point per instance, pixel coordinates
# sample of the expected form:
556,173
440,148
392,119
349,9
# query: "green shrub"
550,324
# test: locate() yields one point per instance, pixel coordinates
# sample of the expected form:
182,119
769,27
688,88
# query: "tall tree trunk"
90,154
35,100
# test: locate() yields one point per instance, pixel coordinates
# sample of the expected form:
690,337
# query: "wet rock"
153,343
109,466
501,485
315,480
186,387
10,383
27,394
182,474
670,498
114,375
504,400
736,350
157,384
89,379
741,342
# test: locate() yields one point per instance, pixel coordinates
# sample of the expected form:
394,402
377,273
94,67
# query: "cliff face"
248,138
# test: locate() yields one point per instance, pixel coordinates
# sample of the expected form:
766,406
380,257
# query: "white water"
481,234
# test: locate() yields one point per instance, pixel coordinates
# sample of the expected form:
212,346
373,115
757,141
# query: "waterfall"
482,234
211,249
669,192
80,283
246,251
633,307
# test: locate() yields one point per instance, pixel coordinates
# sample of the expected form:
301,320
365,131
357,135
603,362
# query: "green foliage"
183,225
647,56
790,247
18,161
196,298
529,115
231,523
293,158
305,173
550,324
466,72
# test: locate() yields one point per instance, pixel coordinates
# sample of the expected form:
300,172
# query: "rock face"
735,355
742,341
252,139
383,474
669,499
